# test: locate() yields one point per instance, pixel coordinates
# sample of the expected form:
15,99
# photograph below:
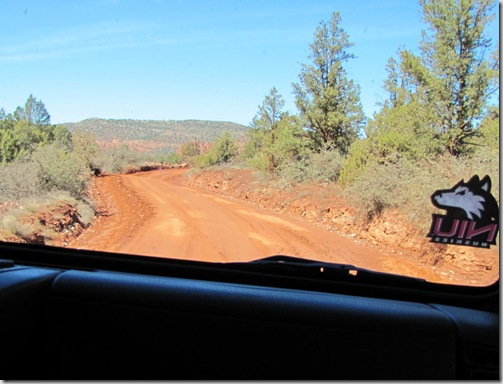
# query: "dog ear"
485,183
474,181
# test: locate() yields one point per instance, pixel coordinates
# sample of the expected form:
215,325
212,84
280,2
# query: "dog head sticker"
472,214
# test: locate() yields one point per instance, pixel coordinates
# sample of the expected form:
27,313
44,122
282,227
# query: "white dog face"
473,198
463,198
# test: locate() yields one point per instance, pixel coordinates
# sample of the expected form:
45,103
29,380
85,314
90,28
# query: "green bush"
206,160
356,162
189,151
61,170
117,159
18,180
224,148
171,157
377,189
222,151
325,166
407,185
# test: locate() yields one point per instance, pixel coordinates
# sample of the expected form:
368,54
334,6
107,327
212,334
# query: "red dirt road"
155,214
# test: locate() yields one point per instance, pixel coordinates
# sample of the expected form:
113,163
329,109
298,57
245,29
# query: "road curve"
155,214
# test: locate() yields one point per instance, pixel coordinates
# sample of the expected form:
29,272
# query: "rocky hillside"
151,135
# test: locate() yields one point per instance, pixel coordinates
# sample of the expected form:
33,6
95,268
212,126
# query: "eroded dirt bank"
228,216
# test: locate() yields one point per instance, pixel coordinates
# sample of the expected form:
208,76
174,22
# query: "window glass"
362,133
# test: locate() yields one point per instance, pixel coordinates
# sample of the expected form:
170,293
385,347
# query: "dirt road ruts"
155,214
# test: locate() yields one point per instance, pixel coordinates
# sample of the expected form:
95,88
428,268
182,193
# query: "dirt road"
155,214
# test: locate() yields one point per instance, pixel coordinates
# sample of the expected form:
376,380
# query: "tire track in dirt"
155,214
121,213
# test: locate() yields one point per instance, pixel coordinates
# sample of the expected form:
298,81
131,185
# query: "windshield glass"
362,133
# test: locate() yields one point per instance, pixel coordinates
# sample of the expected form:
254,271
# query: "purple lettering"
439,232
491,229
462,230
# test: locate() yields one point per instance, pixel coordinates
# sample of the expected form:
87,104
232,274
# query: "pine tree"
34,112
453,75
265,124
328,101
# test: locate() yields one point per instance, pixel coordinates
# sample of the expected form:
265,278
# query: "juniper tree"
453,74
328,101
34,112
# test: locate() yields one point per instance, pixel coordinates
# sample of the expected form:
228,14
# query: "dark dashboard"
69,314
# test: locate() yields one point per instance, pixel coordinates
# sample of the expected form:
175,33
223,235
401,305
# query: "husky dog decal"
472,214
473,198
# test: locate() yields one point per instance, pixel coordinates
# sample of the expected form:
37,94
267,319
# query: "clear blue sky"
186,59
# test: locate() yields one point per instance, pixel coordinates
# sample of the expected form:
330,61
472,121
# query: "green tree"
453,74
402,129
489,130
225,148
328,101
269,112
20,138
85,147
264,126
403,126
287,142
27,128
222,151
269,150
34,112
26,137
61,136
8,146
189,151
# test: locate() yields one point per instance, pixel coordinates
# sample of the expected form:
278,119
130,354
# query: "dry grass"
407,186
15,219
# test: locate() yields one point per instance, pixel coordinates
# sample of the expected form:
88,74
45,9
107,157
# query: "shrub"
18,180
10,222
275,148
206,160
171,157
224,148
407,185
325,166
61,170
376,189
222,151
319,167
189,151
117,159
358,158
14,219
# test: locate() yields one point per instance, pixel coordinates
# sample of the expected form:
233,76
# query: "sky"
187,59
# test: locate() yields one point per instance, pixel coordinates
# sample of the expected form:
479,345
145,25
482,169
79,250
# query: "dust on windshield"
363,133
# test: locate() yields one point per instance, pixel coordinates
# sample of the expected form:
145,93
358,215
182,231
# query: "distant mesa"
154,135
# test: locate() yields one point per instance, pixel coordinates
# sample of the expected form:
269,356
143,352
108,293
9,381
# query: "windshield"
362,133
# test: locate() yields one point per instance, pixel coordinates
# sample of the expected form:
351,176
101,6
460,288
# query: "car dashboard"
69,314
